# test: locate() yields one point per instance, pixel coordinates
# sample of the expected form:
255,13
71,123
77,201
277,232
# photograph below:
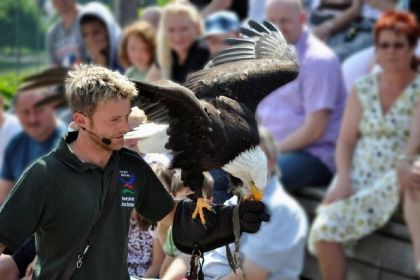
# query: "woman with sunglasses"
375,127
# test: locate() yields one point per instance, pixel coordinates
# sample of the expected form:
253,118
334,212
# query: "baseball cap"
221,22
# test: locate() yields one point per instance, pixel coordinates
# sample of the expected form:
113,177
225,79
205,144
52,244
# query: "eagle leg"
194,180
202,203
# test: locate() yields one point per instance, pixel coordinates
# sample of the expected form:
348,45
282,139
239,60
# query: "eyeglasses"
395,46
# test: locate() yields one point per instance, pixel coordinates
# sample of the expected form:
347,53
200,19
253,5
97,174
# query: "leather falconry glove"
188,234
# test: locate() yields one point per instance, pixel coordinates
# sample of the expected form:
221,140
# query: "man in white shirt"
277,250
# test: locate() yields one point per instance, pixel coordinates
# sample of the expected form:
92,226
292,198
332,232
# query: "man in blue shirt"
41,132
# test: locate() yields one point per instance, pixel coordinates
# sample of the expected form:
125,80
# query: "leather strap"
77,260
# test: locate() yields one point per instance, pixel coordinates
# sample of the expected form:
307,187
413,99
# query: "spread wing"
169,103
251,69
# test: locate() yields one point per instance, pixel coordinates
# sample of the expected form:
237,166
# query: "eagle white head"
251,167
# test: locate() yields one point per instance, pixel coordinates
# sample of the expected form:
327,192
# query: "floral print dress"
373,177
139,249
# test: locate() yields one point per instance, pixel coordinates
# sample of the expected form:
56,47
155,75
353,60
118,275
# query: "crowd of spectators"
348,123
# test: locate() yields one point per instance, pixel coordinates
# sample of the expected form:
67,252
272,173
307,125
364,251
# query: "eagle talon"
202,204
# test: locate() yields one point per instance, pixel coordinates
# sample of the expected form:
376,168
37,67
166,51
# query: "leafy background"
23,27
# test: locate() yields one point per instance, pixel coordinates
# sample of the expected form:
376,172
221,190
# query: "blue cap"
221,22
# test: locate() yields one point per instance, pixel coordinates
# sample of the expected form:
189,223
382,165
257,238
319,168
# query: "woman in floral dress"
375,127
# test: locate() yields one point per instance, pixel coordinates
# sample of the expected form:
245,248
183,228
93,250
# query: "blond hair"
163,49
88,85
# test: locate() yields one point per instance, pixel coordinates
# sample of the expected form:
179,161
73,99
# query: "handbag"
77,260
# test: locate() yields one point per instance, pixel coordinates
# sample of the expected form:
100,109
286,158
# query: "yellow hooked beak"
257,194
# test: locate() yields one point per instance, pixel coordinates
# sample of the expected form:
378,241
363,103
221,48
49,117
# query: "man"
9,127
277,250
218,27
66,191
64,42
304,115
41,131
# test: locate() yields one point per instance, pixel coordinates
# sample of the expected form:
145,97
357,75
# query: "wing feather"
172,104
251,69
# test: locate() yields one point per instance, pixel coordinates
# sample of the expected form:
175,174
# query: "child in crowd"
137,49
172,180
145,254
100,33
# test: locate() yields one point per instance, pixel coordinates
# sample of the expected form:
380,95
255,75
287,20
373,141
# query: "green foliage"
21,24
8,85
10,81
163,2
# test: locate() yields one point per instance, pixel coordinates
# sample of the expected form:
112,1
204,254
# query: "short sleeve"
153,202
22,211
6,173
321,89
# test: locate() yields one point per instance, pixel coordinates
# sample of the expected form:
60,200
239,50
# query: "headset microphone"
104,140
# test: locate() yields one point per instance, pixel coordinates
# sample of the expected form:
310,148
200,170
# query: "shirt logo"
128,192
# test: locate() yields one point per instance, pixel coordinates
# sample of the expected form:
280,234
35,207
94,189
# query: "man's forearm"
311,130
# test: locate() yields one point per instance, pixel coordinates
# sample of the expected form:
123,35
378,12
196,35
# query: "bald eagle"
210,118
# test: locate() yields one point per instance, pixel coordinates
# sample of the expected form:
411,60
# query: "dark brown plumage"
211,117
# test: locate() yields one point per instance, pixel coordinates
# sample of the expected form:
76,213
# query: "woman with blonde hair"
179,51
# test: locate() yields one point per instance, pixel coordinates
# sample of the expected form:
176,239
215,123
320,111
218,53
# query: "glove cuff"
188,234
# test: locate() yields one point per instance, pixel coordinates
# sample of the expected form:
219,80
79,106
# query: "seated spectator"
100,33
363,62
375,128
304,115
64,42
346,26
9,127
41,132
137,49
174,265
179,51
208,7
277,250
149,132
408,172
145,255
218,27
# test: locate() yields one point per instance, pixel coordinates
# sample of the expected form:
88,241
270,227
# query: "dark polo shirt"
59,198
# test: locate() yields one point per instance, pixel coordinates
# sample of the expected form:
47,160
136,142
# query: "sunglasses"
396,45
